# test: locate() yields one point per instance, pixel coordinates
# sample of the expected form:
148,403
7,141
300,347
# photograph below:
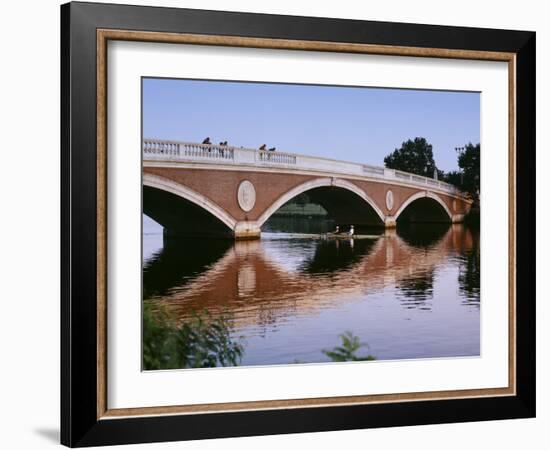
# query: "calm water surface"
413,293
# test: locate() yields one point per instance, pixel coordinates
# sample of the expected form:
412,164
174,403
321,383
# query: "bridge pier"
246,230
390,222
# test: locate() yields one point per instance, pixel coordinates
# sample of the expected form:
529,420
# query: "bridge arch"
319,183
424,195
198,200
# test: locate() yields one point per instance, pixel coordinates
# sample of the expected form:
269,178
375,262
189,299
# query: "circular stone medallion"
246,195
389,200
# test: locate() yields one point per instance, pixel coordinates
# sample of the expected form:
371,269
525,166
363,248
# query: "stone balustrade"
165,150
157,149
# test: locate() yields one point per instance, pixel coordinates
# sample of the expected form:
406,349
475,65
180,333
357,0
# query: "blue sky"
348,123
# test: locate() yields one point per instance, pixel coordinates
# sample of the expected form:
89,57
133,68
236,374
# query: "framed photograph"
277,224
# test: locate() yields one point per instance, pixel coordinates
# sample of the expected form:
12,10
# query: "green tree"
468,161
347,351
455,178
414,156
301,199
205,341
159,344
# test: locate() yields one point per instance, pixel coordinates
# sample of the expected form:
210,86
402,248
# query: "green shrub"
347,352
201,341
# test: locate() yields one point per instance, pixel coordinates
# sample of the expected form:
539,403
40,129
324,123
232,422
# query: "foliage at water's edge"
205,341
202,341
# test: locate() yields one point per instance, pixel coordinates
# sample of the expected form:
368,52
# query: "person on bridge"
337,230
351,231
207,141
263,147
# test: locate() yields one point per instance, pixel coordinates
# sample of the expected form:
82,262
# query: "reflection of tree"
267,283
417,289
332,256
469,272
179,261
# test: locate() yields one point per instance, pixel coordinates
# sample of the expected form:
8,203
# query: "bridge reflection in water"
410,293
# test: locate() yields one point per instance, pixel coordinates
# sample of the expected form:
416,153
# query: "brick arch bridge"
208,190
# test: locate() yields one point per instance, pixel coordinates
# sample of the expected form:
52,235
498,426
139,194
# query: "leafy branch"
347,351
202,341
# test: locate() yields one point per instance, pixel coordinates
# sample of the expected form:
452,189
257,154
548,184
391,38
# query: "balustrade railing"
186,150
403,175
276,157
160,148
419,179
373,170
155,150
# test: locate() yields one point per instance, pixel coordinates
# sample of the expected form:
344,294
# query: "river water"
411,293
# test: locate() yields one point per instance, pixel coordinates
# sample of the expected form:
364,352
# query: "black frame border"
79,423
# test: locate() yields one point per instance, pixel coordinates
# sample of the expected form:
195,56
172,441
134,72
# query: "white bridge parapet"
178,151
